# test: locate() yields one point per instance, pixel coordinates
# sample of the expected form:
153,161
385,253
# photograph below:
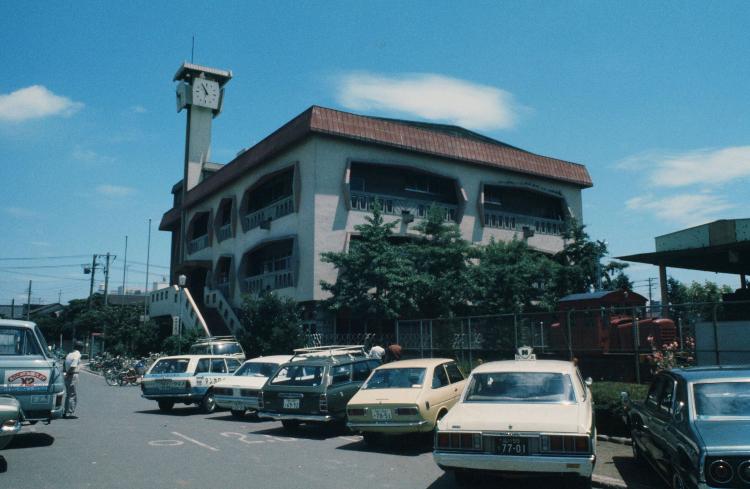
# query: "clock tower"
201,92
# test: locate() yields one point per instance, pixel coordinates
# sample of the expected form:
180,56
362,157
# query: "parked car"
694,427
218,345
188,379
239,392
520,417
405,397
29,372
315,386
10,419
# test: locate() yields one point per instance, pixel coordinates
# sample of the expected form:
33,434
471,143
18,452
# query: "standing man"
72,367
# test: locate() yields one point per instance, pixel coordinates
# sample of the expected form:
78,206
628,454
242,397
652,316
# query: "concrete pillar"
664,294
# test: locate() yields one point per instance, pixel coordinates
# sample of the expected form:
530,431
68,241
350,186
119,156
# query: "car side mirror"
679,412
589,382
624,397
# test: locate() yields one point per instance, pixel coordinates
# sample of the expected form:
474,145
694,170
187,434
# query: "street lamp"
181,281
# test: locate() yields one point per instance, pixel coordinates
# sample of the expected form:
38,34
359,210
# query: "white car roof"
527,366
17,323
190,357
278,359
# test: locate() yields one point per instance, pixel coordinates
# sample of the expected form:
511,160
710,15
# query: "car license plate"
382,414
39,399
291,403
512,446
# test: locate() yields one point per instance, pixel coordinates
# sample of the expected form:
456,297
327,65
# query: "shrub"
608,405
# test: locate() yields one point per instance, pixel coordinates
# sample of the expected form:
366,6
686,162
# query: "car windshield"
200,350
303,375
227,349
256,369
18,341
722,399
520,387
396,378
170,366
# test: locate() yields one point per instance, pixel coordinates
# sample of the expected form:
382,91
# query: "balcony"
516,222
278,209
198,244
397,206
269,281
225,232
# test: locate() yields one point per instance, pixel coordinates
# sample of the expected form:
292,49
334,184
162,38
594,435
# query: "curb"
615,439
608,482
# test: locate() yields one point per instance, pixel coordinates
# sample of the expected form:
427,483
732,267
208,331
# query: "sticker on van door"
26,379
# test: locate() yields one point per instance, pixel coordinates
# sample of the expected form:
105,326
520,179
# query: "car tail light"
260,399
459,441
743,471
323,404
565,444
408,411
356,411
9,425
721,471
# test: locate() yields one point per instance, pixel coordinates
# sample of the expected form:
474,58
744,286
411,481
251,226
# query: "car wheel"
165,406
464,478
580,483
290,424
238,413
637,453
371,439
208,404
677,481
4,441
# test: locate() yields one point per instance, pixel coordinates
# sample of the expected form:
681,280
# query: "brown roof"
434,139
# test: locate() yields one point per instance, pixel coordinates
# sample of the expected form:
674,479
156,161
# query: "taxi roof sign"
525,353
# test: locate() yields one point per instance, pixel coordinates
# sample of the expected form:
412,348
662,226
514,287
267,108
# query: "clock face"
206,93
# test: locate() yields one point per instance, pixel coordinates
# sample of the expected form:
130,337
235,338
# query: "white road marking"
240,437
351,438
195,441
166,443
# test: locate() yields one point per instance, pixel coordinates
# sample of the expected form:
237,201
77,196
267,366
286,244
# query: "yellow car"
405,397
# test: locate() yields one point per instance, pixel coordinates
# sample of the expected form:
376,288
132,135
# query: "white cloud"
114,190
20,212
35,102
89,156
430,96
699,167
138,109
41,244
685,209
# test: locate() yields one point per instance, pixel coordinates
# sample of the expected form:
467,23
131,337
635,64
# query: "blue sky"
652,97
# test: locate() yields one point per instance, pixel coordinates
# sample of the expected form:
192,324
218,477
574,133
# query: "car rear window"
722,399
170,366
396,378
298,375
521,387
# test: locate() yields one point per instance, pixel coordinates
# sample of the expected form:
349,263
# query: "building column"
664,294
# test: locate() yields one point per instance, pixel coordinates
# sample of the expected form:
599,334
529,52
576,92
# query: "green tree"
175,344
375,278
271,325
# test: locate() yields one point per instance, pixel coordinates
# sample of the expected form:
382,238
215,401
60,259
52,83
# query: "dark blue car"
694,427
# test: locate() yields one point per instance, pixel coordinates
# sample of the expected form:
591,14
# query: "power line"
32,267
59,277
43,257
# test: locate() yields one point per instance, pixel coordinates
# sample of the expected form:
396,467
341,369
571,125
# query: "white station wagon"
521,417
239,393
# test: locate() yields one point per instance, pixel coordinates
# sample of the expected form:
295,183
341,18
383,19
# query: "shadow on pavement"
490,480
30,440
304,431
183,411
407,445
637,474
246,419
3,465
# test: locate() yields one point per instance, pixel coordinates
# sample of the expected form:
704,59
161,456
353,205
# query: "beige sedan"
405,397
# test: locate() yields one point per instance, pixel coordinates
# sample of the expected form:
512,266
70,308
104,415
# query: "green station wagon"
316,385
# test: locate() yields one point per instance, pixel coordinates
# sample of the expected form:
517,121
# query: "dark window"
203,366
232,365
341,374
361,371
357,184
439,377
522,201
454,374
652,399
665,401
218,366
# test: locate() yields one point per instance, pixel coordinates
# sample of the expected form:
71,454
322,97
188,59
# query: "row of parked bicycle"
122,370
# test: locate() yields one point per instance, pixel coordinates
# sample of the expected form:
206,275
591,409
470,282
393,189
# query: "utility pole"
148,257
650,285
28,303
13,308
106,279
93,272
59,296
125,267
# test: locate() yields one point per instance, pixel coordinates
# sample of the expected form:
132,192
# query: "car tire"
677,481
463,478
637,453
5,441
208,403
165,406
371,439
290,424
580,483
238,413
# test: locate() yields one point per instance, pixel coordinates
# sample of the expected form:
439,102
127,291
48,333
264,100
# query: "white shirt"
73,361
376,352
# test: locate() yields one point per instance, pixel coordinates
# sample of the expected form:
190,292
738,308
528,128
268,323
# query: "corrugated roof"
439,140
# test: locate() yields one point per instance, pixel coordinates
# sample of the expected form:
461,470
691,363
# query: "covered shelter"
721,246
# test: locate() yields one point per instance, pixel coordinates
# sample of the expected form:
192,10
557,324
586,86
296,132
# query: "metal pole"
148,258
28,303
636,342
431,353
106,280
13,308
468,327
570,335
93,272
716,336
125,268
421,340
515,331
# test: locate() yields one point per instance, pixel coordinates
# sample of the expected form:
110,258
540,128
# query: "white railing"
276,210
170,302
198,243
398,206
516,222
217,300
269,281
225,232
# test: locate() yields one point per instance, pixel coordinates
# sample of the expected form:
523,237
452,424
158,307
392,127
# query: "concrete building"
262,220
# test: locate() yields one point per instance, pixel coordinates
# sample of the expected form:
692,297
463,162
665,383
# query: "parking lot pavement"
120,440
616,468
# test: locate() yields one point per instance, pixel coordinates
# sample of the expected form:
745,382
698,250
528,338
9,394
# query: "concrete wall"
734,343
